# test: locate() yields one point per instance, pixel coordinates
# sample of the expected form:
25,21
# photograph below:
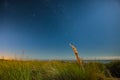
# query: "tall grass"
79,61
52,70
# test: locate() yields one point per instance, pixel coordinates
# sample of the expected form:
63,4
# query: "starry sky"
43,29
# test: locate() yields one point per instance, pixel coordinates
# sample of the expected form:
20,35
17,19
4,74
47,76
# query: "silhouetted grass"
114,68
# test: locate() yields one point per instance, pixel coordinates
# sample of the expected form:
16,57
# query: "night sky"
43,29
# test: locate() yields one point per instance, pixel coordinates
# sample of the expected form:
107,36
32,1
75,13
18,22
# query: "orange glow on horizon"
6,56
9,56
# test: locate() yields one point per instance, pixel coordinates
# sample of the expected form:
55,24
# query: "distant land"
73,58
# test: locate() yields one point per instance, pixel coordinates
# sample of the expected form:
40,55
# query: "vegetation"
114,68
52,70
58,70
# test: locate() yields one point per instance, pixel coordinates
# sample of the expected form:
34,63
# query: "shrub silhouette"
114,68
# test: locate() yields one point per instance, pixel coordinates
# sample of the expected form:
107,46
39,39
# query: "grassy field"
52,70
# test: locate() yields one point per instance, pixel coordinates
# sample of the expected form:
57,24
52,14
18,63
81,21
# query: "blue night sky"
44,28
